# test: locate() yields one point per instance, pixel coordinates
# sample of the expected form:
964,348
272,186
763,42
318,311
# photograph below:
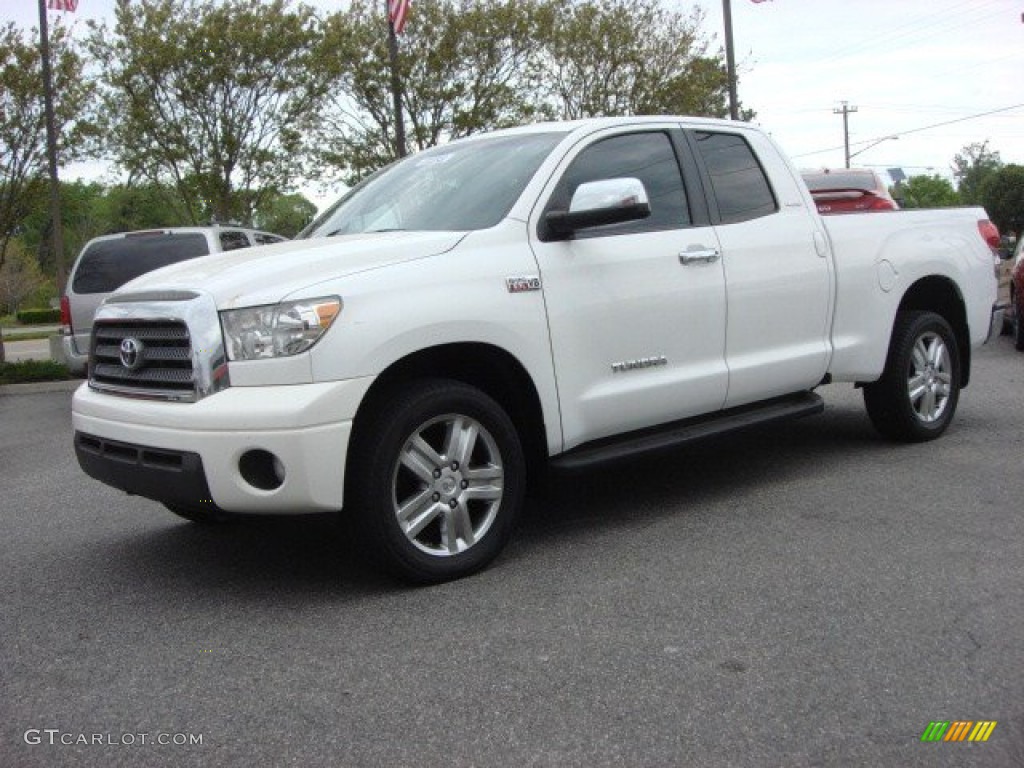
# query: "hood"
267,274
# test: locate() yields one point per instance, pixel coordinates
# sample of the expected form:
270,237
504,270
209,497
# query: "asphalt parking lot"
801,595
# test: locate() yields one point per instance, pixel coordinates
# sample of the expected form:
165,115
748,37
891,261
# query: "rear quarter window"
262,238
108,264
233,240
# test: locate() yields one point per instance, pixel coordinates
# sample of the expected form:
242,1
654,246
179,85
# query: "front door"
636,315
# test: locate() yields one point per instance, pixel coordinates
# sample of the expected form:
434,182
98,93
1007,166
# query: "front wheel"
918,393
437,480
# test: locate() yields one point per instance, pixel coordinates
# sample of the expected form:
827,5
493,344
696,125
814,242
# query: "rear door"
637,323
778,268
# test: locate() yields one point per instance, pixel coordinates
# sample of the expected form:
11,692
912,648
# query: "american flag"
397,11
62,5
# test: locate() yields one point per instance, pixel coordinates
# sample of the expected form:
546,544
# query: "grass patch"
33,370
27,336
12,327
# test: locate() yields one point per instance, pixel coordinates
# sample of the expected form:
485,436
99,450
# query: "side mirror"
596,203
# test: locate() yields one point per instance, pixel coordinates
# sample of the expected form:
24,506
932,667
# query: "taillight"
989,234
65,313
881,204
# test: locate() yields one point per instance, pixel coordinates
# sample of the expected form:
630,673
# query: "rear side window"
233,240
737,179
108,264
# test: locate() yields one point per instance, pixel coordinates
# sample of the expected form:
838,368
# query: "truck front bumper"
272,449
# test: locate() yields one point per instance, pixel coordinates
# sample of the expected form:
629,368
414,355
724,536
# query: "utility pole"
730,61
57,231
845,111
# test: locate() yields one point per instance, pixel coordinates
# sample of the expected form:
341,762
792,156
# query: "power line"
930,24
916,130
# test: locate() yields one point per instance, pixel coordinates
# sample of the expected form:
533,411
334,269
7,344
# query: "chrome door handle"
699,256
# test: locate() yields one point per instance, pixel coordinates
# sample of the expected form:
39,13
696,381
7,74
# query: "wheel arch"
487,367
942,296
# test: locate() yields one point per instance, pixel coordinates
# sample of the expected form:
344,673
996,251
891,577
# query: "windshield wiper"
343,231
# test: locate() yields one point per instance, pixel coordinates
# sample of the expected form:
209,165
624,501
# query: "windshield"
457,187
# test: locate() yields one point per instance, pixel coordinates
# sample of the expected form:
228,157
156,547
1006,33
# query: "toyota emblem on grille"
131,353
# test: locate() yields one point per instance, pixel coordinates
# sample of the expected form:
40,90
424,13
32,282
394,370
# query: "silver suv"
106,263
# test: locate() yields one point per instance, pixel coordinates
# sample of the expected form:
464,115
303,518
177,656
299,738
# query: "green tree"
23,119
81,218
474,65
971,167
926,192
284,214
20,278
127,207
23,122
632,57
214,100
1002,195
465,65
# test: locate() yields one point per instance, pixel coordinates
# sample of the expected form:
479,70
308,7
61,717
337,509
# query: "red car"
848,190
1016,310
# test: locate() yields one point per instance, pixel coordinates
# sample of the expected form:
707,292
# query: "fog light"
261,469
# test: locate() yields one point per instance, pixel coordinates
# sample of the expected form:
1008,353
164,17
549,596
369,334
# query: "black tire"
461,503
203,515
896,412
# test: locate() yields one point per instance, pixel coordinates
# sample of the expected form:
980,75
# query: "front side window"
648,157
738,182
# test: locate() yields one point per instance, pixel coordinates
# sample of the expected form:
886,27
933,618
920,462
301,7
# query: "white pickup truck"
555,294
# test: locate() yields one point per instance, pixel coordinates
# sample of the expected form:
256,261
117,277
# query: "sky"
906,65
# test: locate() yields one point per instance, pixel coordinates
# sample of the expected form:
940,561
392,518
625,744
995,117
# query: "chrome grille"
163,367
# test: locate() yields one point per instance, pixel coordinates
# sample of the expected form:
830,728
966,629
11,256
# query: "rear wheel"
918,393
437,480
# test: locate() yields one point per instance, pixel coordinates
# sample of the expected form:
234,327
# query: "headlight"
277,330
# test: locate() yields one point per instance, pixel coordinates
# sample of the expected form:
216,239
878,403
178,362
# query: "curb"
40,387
